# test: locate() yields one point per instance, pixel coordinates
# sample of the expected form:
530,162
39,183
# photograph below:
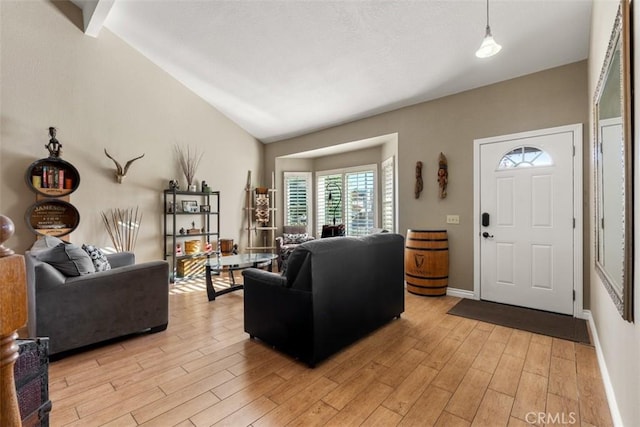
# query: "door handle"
487,235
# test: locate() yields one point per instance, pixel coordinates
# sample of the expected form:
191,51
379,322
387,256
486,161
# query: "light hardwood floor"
426,368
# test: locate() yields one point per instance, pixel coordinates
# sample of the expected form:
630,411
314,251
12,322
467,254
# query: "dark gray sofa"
333,292
78,311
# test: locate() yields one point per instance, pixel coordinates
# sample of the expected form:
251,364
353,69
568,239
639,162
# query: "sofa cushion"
285,252
69,259
99,259
297,269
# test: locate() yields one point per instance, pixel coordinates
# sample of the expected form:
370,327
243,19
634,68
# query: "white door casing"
533,255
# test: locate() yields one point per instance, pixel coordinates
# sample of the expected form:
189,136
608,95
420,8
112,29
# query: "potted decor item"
123,226
189,159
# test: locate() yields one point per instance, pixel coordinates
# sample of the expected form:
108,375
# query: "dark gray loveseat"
333,292
77,311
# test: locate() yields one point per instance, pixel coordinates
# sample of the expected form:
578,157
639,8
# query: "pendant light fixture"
489,47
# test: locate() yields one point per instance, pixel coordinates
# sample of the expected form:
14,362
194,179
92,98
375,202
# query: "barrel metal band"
427,287
427,249
427,278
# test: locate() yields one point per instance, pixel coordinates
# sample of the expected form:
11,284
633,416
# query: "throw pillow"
46,242
67,258
99,259
289,239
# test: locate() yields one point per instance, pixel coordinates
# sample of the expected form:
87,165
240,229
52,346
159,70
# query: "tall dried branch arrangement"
123,226
189,159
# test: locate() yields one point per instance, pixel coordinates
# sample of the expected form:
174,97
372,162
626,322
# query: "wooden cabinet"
31,377
191,230
52,180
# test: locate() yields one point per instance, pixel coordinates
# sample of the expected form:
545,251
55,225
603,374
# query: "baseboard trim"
460,293
606,379
584,315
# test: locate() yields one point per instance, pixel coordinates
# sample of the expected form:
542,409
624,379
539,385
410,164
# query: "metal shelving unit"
208,221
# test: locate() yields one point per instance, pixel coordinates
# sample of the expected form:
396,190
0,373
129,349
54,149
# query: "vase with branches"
123,226
189,159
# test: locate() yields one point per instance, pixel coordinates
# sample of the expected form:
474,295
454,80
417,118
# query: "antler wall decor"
120,172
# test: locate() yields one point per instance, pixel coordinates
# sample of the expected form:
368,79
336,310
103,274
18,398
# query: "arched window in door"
525,157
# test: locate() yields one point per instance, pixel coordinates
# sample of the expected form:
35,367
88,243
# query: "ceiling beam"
94,13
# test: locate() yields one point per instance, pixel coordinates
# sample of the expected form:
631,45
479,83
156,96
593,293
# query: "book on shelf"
52,177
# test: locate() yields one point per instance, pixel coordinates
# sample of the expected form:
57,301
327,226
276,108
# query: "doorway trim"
576,130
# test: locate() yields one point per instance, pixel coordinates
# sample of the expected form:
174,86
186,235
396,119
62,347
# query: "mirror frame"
621,31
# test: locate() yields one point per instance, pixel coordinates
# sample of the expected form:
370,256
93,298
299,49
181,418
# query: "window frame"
307,177
388,165
545,158
343,172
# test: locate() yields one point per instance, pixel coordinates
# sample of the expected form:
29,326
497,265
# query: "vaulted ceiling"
285,68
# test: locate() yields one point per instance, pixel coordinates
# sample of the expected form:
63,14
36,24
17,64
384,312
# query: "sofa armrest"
47,276
262,277
278,315
121,259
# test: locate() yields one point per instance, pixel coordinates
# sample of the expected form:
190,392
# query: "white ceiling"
285,68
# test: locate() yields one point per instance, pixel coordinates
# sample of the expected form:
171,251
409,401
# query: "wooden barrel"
426,262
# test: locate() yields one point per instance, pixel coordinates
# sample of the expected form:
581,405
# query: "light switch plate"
453,219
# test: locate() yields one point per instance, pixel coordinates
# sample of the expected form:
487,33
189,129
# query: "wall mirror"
614,168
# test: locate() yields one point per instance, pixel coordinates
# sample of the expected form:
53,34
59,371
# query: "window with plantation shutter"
329,194
347,196
360,204
388,203
297,198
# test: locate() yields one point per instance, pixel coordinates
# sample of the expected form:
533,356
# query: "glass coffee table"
233,263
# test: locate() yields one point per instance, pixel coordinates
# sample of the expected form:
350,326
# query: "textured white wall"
620,340
100,93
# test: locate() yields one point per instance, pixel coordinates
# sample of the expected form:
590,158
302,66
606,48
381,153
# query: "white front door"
526,219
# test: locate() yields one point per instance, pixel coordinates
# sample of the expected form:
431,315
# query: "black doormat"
537,321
